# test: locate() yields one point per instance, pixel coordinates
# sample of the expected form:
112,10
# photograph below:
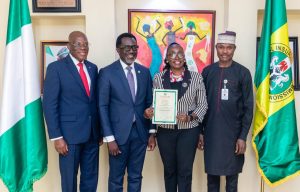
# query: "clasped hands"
149,113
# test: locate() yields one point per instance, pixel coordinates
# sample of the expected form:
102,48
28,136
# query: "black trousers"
213,183
177,150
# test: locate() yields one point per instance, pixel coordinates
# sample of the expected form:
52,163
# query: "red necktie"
84,79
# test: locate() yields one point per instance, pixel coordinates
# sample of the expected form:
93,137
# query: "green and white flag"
23,149
275,137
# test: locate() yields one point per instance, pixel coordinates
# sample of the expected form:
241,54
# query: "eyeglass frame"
173,55
127,48
80,46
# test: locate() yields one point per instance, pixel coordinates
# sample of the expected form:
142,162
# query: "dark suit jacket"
69,111
116,106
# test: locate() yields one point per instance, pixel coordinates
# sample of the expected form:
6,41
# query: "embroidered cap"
227,37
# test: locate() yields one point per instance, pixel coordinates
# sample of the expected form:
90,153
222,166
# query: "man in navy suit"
70,108
125,91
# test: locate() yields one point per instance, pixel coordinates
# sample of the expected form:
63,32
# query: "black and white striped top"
191,100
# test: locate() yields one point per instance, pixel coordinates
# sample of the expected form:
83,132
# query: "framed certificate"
165,106
56,5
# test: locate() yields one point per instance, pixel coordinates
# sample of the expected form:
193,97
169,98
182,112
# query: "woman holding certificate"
177,139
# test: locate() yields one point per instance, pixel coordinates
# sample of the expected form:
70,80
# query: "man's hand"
101,141
113,148
201,142
61,146
151,142
148,113
240,147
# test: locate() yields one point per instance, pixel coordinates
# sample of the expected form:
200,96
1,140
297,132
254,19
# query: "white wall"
103,20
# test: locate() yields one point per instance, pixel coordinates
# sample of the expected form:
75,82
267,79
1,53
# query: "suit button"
90,117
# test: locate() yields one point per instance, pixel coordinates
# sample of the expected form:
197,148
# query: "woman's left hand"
183,118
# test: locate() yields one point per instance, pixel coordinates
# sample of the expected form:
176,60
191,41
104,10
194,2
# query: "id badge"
224,95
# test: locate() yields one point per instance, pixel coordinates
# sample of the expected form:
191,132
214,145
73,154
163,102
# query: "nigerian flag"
275,138
23,149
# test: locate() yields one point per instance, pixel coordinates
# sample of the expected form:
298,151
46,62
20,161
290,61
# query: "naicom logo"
281,86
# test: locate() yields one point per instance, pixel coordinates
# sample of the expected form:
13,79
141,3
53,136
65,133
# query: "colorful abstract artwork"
155,30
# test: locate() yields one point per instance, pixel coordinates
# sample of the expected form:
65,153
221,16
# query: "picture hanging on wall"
293,41
56,6
156,29
51,51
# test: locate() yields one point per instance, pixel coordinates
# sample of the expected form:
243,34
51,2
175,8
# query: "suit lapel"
166,80
139,79
91,74
185,83
123,78
72,68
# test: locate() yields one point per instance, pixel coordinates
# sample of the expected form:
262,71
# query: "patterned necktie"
130,80
84,78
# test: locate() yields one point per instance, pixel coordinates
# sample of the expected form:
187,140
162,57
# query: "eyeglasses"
129,47
80,45
173,55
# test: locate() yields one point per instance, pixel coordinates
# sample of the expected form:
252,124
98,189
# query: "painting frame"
176,25
53,46
51,7
293,41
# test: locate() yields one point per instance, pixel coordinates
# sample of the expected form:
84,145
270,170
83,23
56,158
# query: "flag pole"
262,185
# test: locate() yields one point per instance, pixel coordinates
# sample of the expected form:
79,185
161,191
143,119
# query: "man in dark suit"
125,91
70,108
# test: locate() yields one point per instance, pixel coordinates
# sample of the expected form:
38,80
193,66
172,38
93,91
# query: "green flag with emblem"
275,138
